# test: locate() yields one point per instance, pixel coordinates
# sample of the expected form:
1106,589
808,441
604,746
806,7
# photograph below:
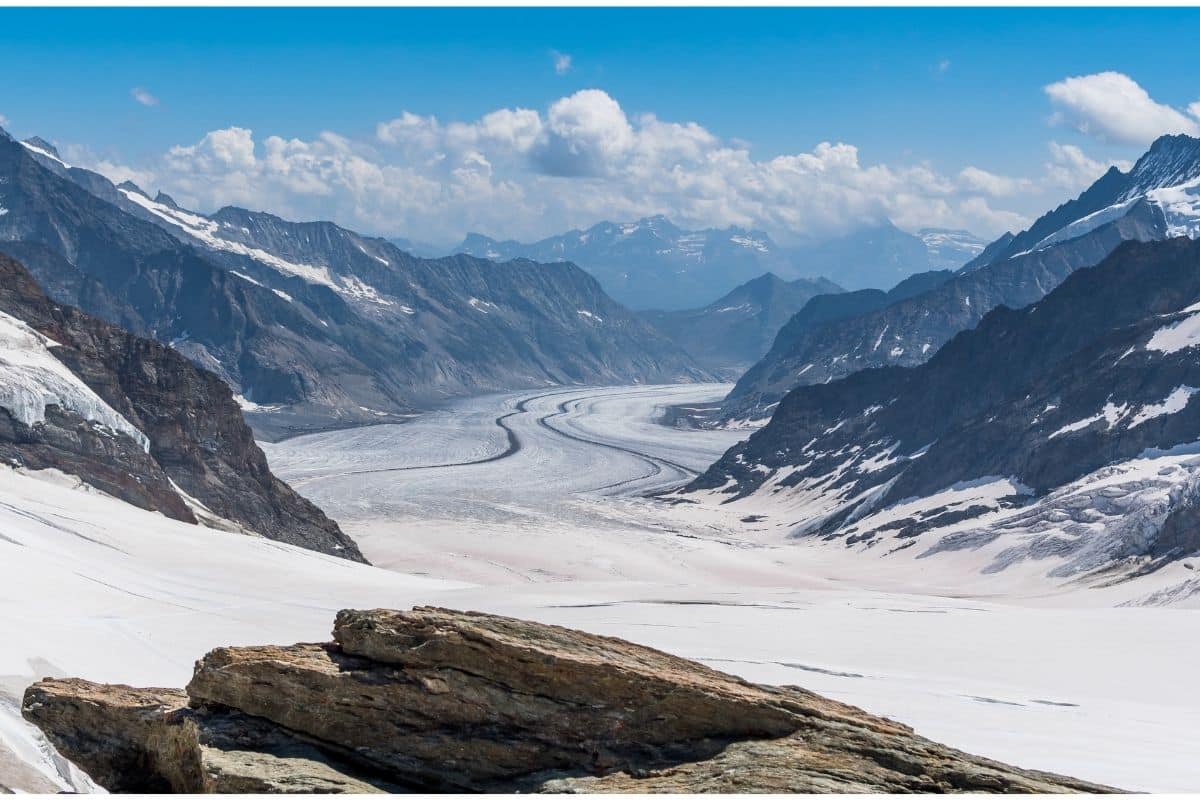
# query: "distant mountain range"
728,335
312,324
880,256
1063,433
1156,200
654,264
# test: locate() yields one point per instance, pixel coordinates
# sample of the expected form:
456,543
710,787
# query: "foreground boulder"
150,741
440,700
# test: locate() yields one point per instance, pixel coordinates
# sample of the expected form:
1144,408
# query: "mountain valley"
838,498
312,324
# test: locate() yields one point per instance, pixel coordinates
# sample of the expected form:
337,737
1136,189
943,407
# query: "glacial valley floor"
532,505
536,500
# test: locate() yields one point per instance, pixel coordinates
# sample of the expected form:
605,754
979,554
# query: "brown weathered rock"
443,700
148,740
837,760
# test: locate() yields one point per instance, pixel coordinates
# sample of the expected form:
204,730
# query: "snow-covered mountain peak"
130,186
43,145
162,198
1170,161
40,147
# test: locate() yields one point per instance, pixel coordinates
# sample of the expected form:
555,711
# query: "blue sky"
942,90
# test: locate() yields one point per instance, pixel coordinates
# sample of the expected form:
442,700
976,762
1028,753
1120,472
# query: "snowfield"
31,378
547,522
96,588
529,505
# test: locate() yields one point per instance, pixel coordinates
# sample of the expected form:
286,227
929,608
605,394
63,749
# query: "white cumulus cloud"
1113,107
527,173
991,184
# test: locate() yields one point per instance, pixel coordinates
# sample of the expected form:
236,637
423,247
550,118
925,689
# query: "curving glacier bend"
531,505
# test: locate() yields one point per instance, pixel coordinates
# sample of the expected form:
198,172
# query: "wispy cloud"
3,120
1113,107
942,66
143,96
562,62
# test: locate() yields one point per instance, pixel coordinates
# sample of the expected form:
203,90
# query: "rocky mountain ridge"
651,263
1063,431
654,264
439,700
137,420
312,324
1159,198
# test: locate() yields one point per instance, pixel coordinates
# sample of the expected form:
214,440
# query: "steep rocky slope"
137,420
313,324
759,388
1064,430
1157,199
731,333
1162,182
438,700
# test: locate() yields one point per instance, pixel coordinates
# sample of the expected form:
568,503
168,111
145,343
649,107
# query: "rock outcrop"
439,700
150,741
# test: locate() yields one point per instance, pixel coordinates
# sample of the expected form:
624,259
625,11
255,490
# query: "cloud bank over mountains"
526,173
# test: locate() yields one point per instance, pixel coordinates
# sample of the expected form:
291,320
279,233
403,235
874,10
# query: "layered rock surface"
439,700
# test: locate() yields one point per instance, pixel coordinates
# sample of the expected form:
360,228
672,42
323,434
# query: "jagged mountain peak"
130,186
42,144
651,262
1170,161
165,199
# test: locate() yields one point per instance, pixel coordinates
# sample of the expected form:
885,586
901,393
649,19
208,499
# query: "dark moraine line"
514,444
656,462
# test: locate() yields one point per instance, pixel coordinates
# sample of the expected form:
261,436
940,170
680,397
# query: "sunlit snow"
31,379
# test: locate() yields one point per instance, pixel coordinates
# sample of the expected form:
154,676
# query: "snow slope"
31,379
1006,664
541,525
93,587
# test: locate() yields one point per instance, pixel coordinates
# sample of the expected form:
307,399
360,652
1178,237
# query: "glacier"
31,379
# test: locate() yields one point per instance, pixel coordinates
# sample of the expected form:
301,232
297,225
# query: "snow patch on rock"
31,379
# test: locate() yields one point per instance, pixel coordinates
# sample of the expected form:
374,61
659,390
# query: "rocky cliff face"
185,450
909,332
438,700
